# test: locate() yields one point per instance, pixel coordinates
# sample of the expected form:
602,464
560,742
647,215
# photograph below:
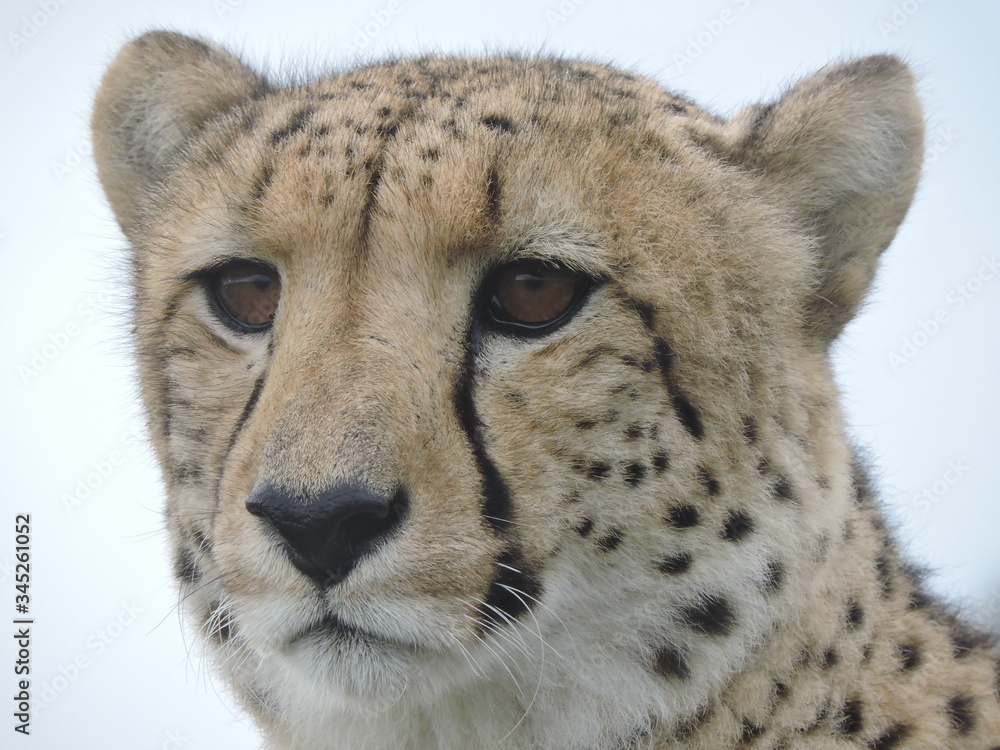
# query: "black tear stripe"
665,358
244,417
248,408
515,588
645,311
682,405
516,584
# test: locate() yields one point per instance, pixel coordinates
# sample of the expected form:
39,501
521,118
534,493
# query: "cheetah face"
491,376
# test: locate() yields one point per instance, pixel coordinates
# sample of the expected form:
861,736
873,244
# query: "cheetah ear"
158,93
842,150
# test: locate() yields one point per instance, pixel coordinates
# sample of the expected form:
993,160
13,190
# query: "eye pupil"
247,295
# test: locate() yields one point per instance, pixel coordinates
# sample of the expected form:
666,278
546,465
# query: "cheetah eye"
245,295
533,297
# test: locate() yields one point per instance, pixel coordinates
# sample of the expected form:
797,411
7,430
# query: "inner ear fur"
158,93
841,150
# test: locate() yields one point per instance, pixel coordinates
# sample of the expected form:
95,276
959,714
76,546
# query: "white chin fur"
428,682
371,699
514,689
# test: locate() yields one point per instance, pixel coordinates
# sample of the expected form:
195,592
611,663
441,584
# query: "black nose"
326,534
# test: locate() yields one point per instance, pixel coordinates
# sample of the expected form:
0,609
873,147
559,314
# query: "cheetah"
494,404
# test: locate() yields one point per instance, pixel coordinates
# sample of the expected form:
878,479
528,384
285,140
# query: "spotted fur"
645,529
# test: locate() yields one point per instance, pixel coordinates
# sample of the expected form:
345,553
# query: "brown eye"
533,297
246,295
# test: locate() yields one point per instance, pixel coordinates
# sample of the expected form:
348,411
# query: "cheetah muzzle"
494,404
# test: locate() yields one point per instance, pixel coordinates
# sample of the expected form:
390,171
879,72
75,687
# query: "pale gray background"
142,685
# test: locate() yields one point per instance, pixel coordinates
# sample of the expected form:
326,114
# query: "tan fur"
696,375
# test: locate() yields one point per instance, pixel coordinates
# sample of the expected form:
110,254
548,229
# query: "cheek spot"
713,615
961,711
855,615
774,577
830,659
634,432
750,732
611,541
909,656
671,663
851,718
635,474
738,526
783,490
595,471
683,516
891,738
709,482
660,462
781,691
675,564
515,397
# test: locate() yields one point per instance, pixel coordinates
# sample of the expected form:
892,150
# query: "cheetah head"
494,388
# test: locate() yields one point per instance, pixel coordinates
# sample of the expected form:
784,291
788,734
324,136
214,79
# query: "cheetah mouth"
331,629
